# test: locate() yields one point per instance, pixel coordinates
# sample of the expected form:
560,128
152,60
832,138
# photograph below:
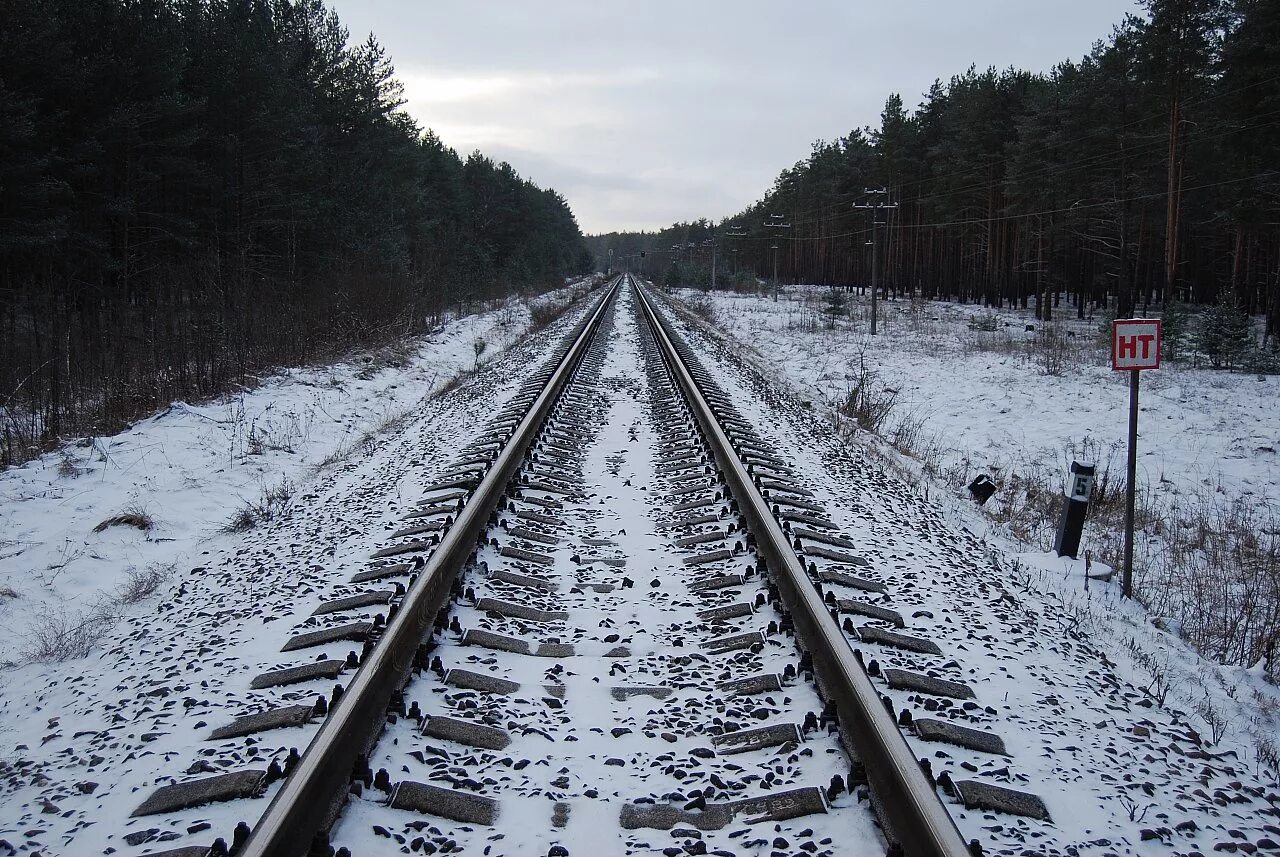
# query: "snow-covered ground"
972,398
1123,731
1112,720
191,469
102,634
987,404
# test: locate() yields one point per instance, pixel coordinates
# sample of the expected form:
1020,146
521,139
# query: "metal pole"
874,269
1127,588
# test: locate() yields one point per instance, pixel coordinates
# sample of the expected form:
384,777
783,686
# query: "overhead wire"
1155,143
1013,216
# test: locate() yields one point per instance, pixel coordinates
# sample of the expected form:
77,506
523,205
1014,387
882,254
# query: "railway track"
617,622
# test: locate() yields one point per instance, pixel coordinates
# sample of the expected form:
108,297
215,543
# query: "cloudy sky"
646,112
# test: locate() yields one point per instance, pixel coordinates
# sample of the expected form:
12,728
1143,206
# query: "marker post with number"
1135,346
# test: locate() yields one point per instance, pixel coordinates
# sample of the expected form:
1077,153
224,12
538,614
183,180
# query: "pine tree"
1175,329
1225,333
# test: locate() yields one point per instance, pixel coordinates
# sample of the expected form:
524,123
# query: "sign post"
1135,346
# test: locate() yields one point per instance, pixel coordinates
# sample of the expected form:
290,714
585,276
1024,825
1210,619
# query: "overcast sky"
642,113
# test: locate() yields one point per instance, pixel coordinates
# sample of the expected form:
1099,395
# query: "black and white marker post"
1135,345
1075,508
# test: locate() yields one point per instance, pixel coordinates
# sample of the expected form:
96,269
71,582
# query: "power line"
1071,166
1017,215
994,160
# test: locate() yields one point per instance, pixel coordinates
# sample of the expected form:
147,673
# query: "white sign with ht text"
1135,343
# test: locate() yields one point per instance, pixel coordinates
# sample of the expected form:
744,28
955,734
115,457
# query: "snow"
1123,731
336,436
974,397
1109,718
193,466
592,751
988,406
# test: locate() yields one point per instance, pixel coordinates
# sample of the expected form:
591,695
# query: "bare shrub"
868,402
1221,561
59,635
1214,717
68,467
271,505
1156,666
453,383
1027,502
141,584
544,312
1054,353
133,516
909,437
1267,755
394,355
702,306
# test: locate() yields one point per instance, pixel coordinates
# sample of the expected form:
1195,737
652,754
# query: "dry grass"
141,584
134,516
702,306
543,312
60,635
393,355
455,382
273,504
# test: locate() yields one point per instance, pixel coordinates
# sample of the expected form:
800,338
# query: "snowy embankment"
971,391
171,483
128,645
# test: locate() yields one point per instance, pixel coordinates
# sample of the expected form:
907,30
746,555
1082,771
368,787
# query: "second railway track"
613,627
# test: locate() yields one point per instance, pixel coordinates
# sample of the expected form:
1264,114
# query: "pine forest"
193,190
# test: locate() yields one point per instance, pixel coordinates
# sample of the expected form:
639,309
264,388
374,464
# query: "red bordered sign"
1135,343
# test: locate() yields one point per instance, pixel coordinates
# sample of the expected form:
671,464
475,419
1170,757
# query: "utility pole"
776,221
711,242
875,208
735,233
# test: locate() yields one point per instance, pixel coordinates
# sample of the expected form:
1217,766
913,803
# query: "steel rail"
906,802
311,796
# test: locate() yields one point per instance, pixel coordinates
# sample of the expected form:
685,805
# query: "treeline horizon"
1147,171
194,190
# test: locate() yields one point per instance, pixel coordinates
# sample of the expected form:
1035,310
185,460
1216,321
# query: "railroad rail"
308,801
905,800
712,456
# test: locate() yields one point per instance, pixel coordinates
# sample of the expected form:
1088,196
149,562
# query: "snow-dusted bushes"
868,403
62,633
273,503
543,312
701,306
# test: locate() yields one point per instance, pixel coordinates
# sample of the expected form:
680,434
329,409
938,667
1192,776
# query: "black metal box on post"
1074,509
